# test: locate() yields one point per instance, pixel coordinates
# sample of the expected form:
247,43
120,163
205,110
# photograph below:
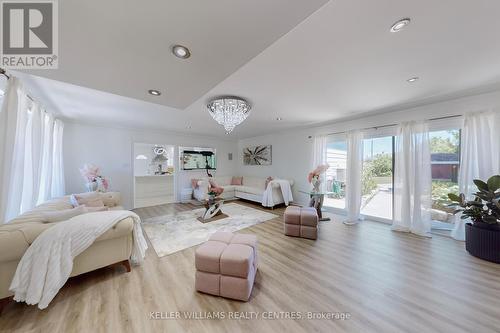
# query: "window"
377,177
445,165
378,169
336,174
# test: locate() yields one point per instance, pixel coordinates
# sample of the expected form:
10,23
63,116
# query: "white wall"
112,150
292,149
292,154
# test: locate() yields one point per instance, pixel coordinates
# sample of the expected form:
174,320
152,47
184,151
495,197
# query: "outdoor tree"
379,166
450,144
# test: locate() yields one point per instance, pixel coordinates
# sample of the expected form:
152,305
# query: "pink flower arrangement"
317,172
90,173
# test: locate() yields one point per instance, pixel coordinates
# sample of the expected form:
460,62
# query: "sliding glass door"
378,169
445,165
377,177
336,174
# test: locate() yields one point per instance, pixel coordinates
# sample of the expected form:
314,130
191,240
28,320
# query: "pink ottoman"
226,265
301,222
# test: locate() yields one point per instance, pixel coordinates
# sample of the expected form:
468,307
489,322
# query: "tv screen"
198,160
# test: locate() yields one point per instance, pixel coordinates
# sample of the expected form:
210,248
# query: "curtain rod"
391,125
4,73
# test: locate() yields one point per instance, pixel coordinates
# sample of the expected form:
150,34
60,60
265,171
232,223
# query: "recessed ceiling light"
399,25
181,51
154,92
279,118
413,79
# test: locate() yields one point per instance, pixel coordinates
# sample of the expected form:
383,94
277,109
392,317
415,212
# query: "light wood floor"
386,281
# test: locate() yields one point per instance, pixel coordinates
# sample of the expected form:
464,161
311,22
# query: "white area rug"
176,232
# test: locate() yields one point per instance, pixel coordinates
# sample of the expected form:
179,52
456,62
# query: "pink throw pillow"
217,190
237,181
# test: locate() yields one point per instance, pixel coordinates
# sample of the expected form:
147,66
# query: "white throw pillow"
85,199
96,209
110,199
62,215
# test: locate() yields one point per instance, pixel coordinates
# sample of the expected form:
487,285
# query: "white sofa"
114,246
252,189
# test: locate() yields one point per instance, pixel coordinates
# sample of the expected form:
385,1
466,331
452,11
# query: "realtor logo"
29,34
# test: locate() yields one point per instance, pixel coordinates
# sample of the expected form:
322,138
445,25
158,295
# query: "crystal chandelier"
229,111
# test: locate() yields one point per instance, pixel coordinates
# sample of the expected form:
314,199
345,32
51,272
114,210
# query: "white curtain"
30,153
480,150
319,157
354,173
58,186
412,179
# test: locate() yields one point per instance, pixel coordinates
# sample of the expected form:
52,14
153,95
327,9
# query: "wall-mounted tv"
198,160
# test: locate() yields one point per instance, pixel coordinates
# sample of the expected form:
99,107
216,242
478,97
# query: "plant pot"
482,243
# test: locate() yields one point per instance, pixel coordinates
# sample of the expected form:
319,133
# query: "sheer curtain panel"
412,179
31,168
480,150
354,173
319,156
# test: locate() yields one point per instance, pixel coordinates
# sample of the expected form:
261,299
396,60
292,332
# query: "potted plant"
482,236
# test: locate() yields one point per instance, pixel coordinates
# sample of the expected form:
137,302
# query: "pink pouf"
301,222
226,265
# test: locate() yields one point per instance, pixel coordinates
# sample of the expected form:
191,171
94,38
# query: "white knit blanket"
47,263
286,190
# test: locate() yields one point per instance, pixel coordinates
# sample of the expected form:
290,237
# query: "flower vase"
100,185
91,187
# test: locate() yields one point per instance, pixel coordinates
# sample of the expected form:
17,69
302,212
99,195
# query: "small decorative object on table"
314,176
94,181
316,195
482,236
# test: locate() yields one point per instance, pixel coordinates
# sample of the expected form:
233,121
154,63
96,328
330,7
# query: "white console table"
153,190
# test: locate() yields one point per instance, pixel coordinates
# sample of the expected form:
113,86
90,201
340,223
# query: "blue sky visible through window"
338,145
377,146
371,147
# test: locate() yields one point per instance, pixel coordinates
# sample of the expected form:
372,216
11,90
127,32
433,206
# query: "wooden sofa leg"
4,302
126,263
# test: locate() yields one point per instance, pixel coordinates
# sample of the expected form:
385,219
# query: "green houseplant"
482,236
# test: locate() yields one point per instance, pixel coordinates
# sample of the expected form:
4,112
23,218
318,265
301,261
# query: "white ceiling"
340,62
124,46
